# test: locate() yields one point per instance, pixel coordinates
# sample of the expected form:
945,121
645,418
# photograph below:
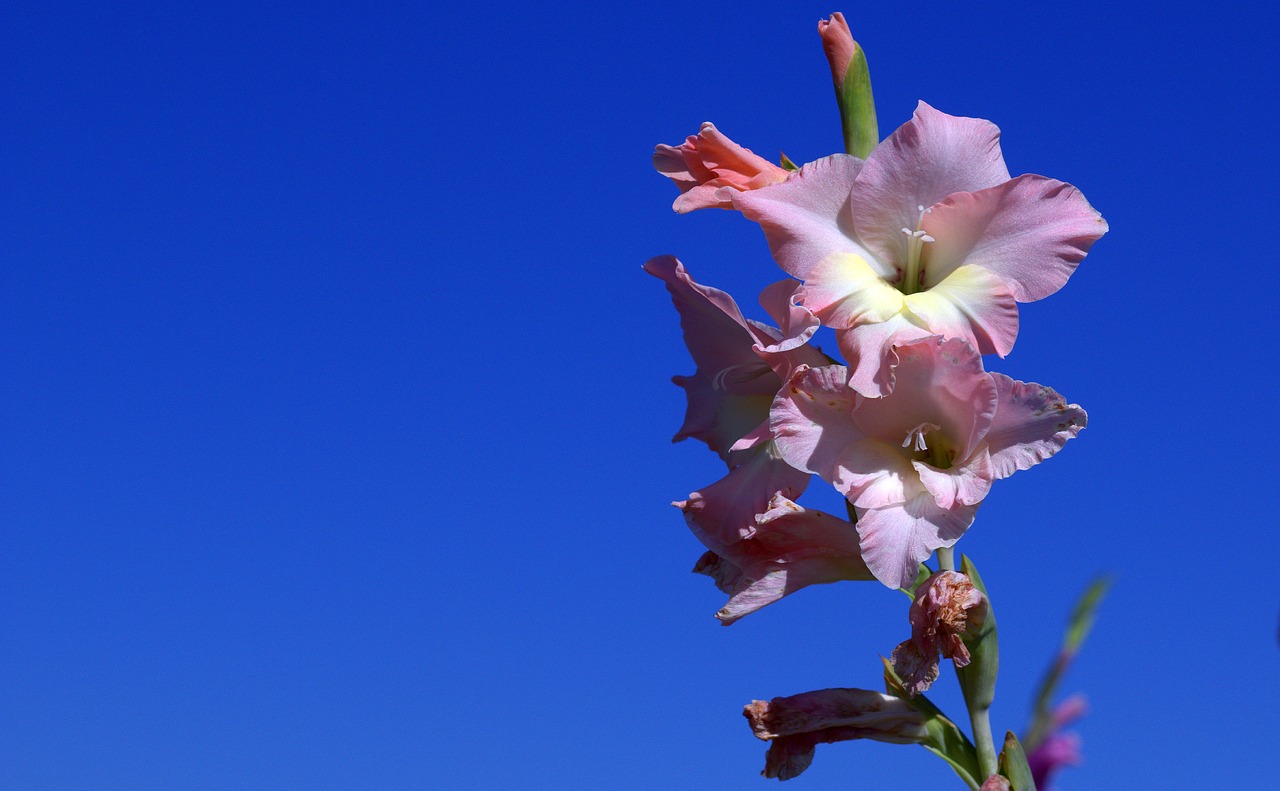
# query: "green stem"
984,741
946,559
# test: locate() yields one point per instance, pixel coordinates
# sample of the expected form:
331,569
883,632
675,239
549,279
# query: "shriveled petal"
939,381
789,756
724,513
1031,231
1032,422
709,161
974,304
807,217
917,669
895,539
731,391
926,159
868,348
843,290
965,484
884,717
795,725
792,548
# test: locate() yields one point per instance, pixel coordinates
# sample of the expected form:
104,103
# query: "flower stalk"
916,252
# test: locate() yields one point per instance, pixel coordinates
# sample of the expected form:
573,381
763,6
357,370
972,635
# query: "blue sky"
337,407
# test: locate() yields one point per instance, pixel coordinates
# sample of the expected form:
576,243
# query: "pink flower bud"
703,164
837,42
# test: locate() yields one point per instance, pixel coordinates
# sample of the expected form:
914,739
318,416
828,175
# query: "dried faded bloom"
708,161
996,783
947,608
795,725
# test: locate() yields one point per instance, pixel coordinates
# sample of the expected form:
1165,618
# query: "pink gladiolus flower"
947,607
795,725
791,548
915,464
741,366
928,236
703,164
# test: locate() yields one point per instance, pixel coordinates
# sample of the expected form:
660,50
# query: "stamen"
912,276
916,436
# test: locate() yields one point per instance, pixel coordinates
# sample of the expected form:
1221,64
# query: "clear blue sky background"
336,406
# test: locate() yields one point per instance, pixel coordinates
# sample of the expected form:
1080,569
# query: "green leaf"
1079,625
1083,616
945,739
857,108
978,678
786,163
1013,764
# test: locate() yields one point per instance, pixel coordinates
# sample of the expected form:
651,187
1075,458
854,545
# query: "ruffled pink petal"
939,381
814,430
807,218
709,161
733,387
926,159
810,418
895,539
868,348
966,484
792,548
1032,422
974,304
724,513
1031,231
796,324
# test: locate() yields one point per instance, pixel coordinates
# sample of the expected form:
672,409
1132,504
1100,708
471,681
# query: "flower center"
913,273
928,444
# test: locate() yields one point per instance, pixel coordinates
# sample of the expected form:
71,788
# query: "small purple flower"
1059,748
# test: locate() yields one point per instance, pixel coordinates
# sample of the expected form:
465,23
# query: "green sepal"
944,739
978,678
1013,765
857,108
1078,627
786,163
